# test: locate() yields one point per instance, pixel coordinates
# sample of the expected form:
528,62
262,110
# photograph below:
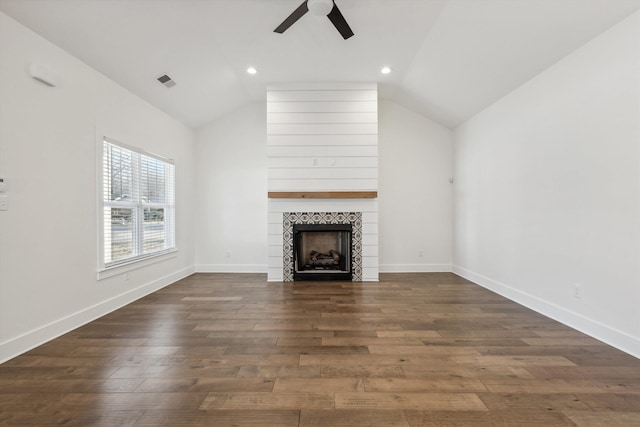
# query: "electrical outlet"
228,254
4,203
126,276
420,254
577,290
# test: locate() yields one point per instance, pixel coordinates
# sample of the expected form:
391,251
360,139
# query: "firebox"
322,252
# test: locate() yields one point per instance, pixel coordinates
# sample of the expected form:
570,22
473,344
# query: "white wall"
48,243
547,192
231,207
415,163
415,197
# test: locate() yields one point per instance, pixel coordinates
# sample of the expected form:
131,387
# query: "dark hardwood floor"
234,350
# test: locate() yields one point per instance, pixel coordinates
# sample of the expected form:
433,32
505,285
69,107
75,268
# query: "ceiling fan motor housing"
320,7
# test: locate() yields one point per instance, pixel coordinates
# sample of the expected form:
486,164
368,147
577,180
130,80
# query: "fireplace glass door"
322,252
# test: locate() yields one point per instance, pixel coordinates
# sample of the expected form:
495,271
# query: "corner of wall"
25,342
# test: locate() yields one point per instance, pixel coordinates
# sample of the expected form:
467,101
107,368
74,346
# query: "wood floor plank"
297,350
372,341
564,341
72,418
8,373
611,402
318,385
120,351
487,419
139,372
416,401
123,401
27,361
447,370
625,373
299,341
211,298
416,349
513,360
517,402
370,360
408,334
260,401
244,359
279,372
362,371
508,385
229,418
599,419
423,350
411,385
348,418
192,385
72,385
136,360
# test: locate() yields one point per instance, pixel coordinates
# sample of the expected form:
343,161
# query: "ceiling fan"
326,8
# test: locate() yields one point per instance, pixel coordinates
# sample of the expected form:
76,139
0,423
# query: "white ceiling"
450,58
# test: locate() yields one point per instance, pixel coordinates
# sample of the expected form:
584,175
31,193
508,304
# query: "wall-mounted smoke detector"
166,80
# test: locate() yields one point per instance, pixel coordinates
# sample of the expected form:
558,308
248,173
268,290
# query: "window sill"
116,270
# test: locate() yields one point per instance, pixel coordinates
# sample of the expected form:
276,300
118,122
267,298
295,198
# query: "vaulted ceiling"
449,58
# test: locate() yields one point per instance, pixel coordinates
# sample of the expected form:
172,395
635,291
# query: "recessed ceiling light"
252,70
385,70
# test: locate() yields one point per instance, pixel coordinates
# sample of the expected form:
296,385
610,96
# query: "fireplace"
322,252
340,232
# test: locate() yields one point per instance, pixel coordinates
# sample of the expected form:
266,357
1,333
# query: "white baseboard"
615,338
415,268
231,268
25,342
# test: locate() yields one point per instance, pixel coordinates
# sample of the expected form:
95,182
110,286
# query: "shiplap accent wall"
323,137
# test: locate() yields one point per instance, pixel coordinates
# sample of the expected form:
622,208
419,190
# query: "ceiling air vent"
166,80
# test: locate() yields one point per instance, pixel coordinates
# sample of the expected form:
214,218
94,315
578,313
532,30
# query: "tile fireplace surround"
362,214
305,218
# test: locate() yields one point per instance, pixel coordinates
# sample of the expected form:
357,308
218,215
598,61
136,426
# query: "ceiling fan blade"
339,22
297,14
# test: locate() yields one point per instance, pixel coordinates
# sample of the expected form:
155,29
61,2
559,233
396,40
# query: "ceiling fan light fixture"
252,70
320,7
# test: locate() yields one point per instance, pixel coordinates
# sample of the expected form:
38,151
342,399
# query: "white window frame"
138,260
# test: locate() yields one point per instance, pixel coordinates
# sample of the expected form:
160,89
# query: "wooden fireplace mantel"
323,194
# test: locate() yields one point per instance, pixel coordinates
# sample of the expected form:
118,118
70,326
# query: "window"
138,205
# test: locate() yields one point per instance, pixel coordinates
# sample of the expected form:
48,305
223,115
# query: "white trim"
99,147
615,338
415,268
135,264
231,268
27,341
